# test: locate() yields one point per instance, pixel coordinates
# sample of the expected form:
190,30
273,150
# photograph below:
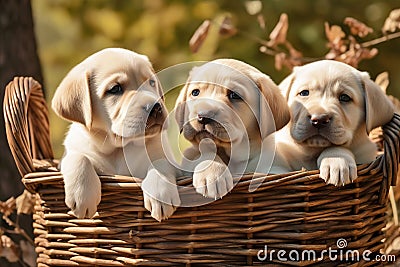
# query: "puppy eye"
195,92
344,98
304,93
115,90
232,95
152,83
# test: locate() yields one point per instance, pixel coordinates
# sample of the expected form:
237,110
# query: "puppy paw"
160,195
212,179
338,171
82,188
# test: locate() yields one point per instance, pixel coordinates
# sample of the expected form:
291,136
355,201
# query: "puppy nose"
205,117
156,110
320,120
203,120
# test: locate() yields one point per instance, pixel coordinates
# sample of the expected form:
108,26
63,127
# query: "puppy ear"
286,85
158,85
180,103
180,107
379,109
271,100
72,100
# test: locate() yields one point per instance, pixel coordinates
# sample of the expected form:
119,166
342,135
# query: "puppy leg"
337,166
212,178
82,185
160,192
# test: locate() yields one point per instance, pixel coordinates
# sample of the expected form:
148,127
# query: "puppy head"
224,98
330,101
114,90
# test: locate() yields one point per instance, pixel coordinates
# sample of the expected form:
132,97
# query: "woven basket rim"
295,212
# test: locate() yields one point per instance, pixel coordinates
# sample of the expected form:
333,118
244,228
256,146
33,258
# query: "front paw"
212,179
160,195
83,196
338,170
82,187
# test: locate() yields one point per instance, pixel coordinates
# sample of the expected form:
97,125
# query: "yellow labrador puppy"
333,108
115,104
226,109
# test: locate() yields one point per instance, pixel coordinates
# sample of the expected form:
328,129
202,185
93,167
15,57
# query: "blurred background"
46,38
67,31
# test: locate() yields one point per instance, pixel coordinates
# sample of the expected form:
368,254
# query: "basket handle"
27,124
391,146
389,161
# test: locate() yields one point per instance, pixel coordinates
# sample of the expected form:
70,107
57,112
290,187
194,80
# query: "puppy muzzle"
156,117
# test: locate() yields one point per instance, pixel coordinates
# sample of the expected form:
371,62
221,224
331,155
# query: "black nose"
203,120
320,120
156,110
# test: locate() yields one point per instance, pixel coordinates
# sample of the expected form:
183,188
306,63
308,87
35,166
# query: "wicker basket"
290,212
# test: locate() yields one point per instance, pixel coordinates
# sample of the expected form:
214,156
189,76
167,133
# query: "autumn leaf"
261,21
25,203
199,36
279,59
392,23
356,53
253,7
334,33
6,208
336,43
226,28
8,249
357,27
278,34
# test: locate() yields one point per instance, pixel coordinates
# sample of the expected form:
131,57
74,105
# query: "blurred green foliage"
70,30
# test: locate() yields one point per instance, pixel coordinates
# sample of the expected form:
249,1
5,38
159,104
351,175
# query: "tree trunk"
18,57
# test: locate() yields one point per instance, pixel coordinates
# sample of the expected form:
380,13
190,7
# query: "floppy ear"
180,107
379,109
159,88
72,100
154,76
271,100
286,85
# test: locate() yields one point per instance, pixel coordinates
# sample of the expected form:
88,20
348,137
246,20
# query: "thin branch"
19,231
381,39
265,46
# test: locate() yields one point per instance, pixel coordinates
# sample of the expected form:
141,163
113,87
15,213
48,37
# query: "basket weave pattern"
294,211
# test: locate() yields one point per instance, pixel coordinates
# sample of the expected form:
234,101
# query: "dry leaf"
25,203
278,34
253,7
261,21
334,33
295,54
356,53
199,36
383,80
392,23
367,53
226,28
8,249
279,59
357,27
7,207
